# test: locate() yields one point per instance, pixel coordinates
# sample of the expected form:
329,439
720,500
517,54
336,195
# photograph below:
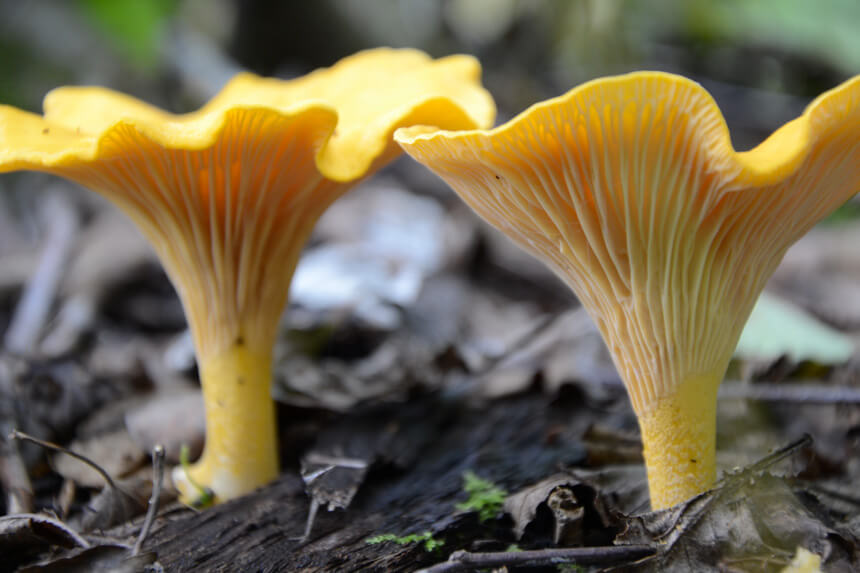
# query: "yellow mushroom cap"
629,188
228,196
226,192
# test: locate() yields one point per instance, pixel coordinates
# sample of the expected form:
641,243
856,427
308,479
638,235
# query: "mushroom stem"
678,437
241,451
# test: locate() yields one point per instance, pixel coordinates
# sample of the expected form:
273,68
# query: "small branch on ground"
14,478
309,524
466,561
152,510
819,394
33,307
18,435
780,454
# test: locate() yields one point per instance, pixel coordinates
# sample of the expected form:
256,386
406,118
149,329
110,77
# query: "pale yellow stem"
678,436
241,443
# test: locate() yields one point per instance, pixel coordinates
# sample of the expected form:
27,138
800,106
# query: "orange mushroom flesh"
629,188
228,196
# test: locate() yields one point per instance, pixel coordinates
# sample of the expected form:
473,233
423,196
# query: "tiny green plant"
205,496
485,497
430,543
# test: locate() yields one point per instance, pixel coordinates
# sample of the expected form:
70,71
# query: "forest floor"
456,399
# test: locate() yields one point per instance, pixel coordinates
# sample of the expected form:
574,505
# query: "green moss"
205,496
485,497
426,537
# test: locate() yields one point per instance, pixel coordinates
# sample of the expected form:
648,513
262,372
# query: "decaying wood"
421,453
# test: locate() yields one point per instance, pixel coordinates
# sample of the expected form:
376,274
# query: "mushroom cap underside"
629,188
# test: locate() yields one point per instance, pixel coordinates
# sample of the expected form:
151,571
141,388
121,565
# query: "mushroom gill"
629,188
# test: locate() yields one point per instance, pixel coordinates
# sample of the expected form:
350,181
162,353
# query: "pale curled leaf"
755,521
804,562
106,558
523,505
778,328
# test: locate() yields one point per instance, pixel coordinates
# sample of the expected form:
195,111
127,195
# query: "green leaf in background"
828,30
847,213
778,328
135,26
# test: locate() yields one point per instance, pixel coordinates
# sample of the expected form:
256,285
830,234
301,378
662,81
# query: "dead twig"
467,561
777,456
31,313
19,435
818,394
14,478
13,471
152,509
309,524
111,500
511,350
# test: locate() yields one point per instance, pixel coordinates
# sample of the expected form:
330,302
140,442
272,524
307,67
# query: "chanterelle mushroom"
229,194
629,188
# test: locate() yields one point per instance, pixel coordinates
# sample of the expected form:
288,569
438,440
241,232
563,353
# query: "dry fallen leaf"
755,521
172,418
24,536
104,558
115,505
115,452
566,349
564,509
523,505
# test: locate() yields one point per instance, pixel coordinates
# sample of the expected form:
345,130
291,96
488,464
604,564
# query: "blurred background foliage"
762,59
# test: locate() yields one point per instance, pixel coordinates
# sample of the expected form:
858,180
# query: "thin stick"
779,455
511,349
14,478
19,435
31,313
309,524
157,480
466,561
817,394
